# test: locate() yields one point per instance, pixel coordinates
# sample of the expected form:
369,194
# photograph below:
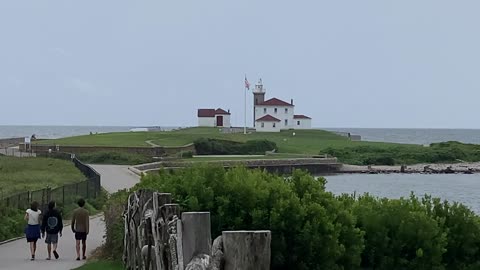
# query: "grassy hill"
304,141
22,174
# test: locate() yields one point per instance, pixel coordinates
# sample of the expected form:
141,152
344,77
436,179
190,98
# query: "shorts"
51,238
32,240
81,236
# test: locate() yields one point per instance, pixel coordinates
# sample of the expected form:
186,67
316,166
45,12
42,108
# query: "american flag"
247,84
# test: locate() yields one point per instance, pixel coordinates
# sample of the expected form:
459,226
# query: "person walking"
80,226
32,231
52,224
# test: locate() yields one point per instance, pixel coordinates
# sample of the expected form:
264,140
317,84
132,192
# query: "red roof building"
268,118
273,115
213,118
275,102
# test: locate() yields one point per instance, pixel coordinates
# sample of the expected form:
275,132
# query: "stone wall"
11,142
282,166
146,151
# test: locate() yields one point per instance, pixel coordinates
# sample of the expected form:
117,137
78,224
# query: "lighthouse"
258,97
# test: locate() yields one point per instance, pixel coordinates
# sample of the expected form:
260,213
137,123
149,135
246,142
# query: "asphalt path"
16,254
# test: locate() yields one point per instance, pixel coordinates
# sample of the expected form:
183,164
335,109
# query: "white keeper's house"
273,115
213,118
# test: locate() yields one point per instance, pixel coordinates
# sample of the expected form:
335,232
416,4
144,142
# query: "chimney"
291,101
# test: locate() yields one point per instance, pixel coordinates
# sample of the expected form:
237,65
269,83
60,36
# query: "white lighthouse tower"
258,97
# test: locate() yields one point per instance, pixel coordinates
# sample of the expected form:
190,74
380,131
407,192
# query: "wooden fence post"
196,235
247,250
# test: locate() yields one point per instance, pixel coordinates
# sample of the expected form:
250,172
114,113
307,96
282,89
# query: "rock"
218,260
199,262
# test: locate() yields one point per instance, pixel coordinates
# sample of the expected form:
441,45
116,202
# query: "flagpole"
245,110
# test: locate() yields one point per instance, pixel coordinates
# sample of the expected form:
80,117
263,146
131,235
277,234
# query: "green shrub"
312,228
114,226
387,154
12,223
205,146
188,154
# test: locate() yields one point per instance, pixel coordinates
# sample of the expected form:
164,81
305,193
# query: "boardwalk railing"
66,194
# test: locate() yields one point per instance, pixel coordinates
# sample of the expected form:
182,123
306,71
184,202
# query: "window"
298,123
286,122
273,124
275,110
286,110
264,110
263,124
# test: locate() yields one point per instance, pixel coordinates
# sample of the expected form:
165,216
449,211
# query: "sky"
385,64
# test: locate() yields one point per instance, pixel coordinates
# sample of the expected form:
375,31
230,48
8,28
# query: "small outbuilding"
213,118
267,123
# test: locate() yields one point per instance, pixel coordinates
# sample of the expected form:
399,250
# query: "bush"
312,228
222,147
387,154
114,225
12,223
188,154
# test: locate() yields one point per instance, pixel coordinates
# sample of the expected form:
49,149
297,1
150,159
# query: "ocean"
462,188
55,132
415,136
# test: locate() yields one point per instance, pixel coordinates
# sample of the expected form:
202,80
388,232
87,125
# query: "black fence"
64,195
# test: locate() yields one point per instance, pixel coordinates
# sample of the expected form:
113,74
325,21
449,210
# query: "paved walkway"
151,143
16,254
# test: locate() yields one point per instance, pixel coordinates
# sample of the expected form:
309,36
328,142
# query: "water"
463,188
415,136
55,132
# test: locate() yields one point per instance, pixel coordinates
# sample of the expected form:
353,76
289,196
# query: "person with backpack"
52,224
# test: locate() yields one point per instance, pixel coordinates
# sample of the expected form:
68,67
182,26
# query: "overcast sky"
345,63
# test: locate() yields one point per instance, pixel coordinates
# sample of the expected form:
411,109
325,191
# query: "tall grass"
22,174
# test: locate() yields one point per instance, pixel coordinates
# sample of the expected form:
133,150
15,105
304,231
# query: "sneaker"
84,257
55,253
78,258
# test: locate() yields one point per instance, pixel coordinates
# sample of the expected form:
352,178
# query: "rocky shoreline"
455,168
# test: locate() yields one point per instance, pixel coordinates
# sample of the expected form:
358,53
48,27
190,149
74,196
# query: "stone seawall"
146,151
282,166
11,142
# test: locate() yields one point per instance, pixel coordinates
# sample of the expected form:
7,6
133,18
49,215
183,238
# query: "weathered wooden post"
247,250
196,235
159,199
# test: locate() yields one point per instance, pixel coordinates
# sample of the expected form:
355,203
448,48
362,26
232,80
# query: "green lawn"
102,265
22,174
304,141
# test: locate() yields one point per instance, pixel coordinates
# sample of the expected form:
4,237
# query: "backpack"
52,222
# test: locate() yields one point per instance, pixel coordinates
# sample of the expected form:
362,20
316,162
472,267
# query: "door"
219,121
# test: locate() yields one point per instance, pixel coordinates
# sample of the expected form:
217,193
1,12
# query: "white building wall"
267,126
261,111
206,121
226,119
304,123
